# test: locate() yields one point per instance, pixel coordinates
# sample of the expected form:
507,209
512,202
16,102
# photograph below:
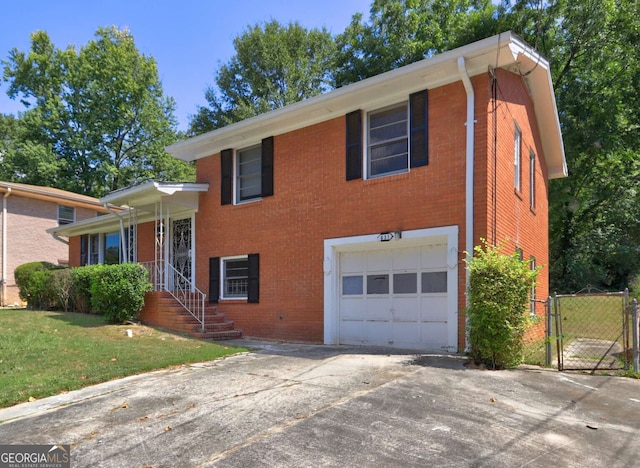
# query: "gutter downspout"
470,155
4,246
123,244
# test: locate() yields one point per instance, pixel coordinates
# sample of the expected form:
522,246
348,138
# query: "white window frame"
223,277
369,145
65,220
517,159
532,306
236,175
532,179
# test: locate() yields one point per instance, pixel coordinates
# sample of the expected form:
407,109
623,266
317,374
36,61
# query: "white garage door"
395,297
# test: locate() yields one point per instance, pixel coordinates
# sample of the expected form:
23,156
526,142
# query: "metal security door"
181,252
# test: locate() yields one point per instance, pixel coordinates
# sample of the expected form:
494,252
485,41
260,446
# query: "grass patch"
597,317
46,353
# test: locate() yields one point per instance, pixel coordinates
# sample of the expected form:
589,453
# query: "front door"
181,250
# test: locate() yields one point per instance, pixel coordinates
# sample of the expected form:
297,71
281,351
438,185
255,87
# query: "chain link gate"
592,330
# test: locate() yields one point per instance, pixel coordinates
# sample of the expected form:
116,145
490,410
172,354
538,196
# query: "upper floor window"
388,146
394,140
532,179
66,215
517,142
247,174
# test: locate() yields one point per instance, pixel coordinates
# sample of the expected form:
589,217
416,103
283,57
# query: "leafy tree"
274,66
96,118
400,32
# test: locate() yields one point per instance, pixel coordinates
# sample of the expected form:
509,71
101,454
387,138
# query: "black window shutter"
419,114
226,172
354,145
253,295
214,279
267,167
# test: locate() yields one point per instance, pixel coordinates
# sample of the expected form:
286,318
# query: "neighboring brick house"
345,218
27,212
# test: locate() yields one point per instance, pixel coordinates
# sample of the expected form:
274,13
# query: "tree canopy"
95,119
274,66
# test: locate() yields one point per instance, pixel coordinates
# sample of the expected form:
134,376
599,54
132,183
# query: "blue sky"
188,38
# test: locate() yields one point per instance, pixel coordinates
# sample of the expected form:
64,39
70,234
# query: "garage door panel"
406,334
433,256
434,308
353,309
378,332
395,297
352,262
406,309
406,259
378,308
434,334
379,261
351,332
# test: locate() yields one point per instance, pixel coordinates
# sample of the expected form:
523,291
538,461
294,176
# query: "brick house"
27,212
345,218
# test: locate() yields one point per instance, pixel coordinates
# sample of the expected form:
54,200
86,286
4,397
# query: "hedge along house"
345,218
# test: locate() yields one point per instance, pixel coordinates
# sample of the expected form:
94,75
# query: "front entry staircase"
176,318
183,308
163,310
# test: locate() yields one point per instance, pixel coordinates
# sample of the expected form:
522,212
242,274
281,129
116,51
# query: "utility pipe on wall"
4,246
470,123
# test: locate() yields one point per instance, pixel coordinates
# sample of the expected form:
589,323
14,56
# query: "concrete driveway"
305,405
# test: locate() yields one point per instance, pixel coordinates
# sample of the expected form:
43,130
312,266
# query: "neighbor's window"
517,141
249,173
388,145
66,215
235,277
532,179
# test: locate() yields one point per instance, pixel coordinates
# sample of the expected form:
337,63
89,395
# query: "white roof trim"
503,50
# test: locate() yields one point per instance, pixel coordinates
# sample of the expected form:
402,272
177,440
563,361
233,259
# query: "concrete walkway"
303,405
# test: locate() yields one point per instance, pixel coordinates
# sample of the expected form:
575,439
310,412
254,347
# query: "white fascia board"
505,50
428,73
151,189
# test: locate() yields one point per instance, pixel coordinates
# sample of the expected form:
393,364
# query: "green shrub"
31,280
117,291
59,288
82,278
498,317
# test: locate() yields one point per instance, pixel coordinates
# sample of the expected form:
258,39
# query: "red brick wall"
517,224
313,202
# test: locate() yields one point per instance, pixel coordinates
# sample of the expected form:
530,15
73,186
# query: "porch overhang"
179,199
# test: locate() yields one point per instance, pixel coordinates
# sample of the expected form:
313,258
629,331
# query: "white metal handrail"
165,277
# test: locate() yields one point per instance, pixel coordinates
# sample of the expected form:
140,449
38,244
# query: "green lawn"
597,317
46,353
